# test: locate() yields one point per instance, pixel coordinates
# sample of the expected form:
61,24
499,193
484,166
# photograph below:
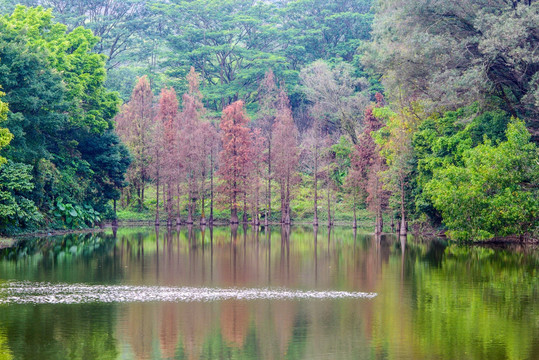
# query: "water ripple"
46,293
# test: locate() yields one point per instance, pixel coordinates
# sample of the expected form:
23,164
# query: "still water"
274,294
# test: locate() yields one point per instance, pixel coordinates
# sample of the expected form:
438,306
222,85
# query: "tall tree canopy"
452,53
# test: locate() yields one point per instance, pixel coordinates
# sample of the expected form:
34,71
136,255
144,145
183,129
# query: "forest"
387,114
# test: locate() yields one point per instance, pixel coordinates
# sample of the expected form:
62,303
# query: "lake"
138,293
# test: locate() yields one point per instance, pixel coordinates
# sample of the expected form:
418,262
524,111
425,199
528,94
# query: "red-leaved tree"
268,98
366,166
170,164
235,156
257,172
191,143
286,154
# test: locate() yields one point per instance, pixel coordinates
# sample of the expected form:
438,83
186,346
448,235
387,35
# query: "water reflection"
435,300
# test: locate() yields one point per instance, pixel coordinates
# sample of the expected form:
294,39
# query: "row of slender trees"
181,152
237,163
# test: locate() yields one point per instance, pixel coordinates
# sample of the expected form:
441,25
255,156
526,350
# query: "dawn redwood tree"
256,174
328,167
191,142
366,164
210,147
286,155
156,164
311,145
168,116
134,125
235,156
268,94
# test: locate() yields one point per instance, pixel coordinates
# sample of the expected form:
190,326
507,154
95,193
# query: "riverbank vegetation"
407,113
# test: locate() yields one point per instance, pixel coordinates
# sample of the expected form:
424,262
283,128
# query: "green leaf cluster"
492,190
60,115
16,208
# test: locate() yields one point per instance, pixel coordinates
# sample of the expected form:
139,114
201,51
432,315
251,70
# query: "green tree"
322,29
230,43
452,53
91,106
442,139
16,209
5,135
495,191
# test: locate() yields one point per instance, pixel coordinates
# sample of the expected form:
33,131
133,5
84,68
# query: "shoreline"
11,239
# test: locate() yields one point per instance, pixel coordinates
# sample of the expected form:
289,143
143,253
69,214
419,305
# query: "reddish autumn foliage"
366,165
268,95
235,157
191,144
256,174
286,154
168,116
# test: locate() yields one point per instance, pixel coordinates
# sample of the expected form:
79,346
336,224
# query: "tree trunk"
142,194
354,225
234,208
379,227
255,219
234,216
178,214
164,196
403,228
287,200
157,200
139,198
202,211
245,218
190,210
169,205
115,221
329,202
210,220
283,201
315,218
268,195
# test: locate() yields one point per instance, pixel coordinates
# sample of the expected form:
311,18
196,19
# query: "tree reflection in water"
435,300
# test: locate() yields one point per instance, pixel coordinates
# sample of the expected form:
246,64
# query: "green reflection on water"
435,300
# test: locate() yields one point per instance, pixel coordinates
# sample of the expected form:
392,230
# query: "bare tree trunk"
211,187
287,200
164,196
329,201
169,205
283,201
234,207
142,194
268,194
139,198
190,206
315,218
178,214
115,221
403,228
157,200
202,211
245,207
256,216
128,197
354,225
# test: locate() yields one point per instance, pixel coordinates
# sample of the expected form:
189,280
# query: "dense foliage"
64,149
291,110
